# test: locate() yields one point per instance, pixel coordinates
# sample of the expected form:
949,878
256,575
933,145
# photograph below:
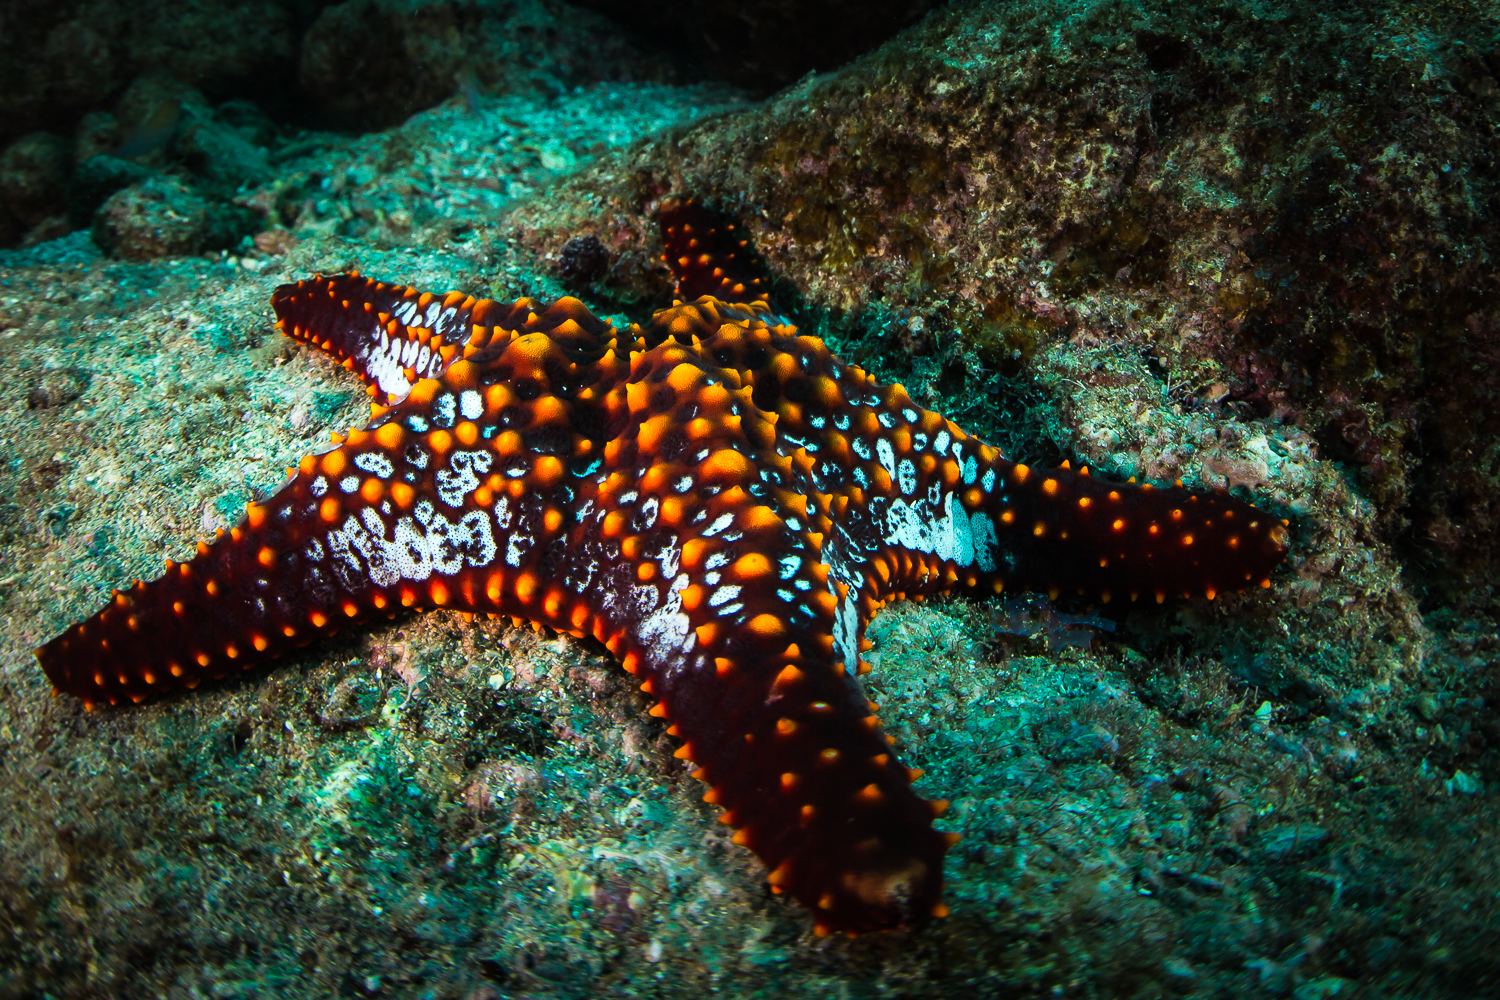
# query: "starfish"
719,500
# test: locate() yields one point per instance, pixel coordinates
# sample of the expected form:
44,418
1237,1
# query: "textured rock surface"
1088,231
163,217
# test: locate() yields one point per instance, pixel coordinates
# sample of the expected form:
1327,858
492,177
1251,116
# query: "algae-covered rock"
165,217
1160,239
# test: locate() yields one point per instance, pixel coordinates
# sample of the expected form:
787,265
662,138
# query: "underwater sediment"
1246,246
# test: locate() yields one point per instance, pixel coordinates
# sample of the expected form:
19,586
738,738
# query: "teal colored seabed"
1247,245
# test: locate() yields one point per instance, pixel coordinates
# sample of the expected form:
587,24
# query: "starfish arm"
389,335
392,336
1066,532
388,518
709,255
275,581
451,498
914,505
711,589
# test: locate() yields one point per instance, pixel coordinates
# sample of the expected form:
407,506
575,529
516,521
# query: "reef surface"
1247,245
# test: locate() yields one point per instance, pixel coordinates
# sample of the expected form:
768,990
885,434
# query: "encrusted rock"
163,217
583,259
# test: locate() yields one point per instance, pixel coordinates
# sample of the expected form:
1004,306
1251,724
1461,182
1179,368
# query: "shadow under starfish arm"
719,500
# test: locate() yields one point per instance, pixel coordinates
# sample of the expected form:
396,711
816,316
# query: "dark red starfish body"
719,500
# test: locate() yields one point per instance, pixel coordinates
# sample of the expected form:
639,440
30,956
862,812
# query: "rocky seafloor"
1245,244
